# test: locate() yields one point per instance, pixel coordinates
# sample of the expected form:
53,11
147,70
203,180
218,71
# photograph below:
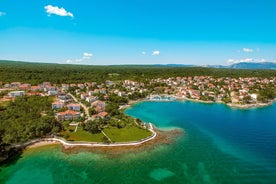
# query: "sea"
219,145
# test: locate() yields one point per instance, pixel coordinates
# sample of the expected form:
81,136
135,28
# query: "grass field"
82,135
132,133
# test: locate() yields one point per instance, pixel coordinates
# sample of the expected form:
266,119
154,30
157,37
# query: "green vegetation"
130,133
268,93
36,73
82,135
24,119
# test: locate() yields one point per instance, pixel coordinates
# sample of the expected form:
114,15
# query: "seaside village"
71,100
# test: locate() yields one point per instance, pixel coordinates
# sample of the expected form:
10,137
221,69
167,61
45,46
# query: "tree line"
35,73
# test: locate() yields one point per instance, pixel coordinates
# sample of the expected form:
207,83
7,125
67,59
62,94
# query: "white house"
74,107
16,93
57,105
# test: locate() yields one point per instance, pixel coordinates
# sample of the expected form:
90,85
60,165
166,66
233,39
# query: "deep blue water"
243,135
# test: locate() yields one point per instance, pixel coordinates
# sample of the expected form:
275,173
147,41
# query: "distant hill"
246,65
242,65
264,65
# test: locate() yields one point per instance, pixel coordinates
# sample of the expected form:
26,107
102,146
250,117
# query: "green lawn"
132,133
82,135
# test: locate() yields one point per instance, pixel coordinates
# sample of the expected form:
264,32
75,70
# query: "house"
62,97
108,83
15,84
49,88
96,91
34,93
24,87
57,105
254,96
64,87
235,99
84,95
74,107
99,106
91,99
35,88
67,115
122,94
16,93
103,91
52,92
7,85
102,114
44,84
81,86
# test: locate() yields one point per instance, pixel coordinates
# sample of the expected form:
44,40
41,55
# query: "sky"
115,32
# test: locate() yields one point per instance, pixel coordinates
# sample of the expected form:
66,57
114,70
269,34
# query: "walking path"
76,127
89,144
106,136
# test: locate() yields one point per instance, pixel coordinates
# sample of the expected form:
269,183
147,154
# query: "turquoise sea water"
220,145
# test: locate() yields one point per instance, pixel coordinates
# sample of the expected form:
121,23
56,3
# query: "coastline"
249,106
158,136
231,105
65,143
41,144
163,137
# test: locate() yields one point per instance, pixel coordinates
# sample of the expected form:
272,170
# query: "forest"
35,73
24,119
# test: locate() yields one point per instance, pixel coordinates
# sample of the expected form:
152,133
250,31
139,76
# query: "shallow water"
220,145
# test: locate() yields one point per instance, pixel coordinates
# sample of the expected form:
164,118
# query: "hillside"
35,73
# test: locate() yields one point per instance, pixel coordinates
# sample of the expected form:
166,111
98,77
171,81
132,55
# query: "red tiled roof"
103,114
71,112
34,87
68,112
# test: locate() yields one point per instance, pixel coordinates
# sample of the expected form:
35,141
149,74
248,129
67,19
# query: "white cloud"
156,53
247,50
144,53
2,13
87,55
246,60
232,61
57,11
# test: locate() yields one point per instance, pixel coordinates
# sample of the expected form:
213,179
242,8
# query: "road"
86,109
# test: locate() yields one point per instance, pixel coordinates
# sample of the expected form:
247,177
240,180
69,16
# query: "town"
92,96
98,108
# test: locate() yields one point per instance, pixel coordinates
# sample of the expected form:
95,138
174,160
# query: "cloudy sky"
138,31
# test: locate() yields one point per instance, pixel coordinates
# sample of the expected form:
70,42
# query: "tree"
105,140
92,111
92,127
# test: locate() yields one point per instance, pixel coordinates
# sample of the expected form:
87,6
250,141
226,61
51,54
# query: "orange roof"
103,114
68,112
71,112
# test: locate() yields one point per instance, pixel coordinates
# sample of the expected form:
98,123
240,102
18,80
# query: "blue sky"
138,31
